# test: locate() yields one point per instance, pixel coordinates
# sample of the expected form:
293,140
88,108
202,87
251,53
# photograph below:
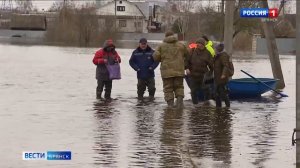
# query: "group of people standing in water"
207,69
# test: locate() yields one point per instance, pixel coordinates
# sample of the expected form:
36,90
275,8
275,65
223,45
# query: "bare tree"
184,8
80,26
24,5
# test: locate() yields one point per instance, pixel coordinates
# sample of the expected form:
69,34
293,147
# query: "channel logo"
49,155
259,12
34,156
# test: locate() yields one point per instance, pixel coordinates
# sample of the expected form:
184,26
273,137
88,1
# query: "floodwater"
47,102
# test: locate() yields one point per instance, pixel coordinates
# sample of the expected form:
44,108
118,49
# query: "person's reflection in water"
221,136
264,131
106,144
210,135
171,138
145,144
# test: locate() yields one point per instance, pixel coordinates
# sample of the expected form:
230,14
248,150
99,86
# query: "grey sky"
46,4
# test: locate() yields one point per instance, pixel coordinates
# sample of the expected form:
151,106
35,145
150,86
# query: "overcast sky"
46,4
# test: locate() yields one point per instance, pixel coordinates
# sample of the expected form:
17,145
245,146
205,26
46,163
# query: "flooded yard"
48,102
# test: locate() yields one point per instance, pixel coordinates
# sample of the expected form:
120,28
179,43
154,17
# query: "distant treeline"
79,27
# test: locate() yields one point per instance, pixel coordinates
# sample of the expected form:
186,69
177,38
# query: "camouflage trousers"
173,86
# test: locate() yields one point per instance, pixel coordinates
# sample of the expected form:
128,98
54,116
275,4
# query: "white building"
126,15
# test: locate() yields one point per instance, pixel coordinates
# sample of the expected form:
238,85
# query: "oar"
281,94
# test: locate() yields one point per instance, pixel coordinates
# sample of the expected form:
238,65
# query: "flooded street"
47,102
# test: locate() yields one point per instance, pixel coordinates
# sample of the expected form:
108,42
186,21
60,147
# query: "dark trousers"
101,85
143,84
221,94
196,86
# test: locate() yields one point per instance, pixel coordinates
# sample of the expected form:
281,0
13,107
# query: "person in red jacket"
106,55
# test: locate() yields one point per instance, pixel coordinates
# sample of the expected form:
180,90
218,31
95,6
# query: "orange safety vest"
193,45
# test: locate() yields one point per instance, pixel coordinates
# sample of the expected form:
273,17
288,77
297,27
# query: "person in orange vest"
192,45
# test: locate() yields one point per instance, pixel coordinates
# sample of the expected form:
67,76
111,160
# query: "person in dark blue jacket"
142,61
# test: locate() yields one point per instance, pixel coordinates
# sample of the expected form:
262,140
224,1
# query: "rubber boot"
195,98
151,98
227,102
107,96
179,102
218,102
151,95
98,95
140,97
170,103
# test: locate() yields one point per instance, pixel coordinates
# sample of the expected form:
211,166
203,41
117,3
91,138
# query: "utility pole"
298,88
222,6
115,15
268,28
228,32
281,7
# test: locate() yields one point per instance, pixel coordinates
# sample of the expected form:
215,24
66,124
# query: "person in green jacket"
199,63
172,54
209,46
222,75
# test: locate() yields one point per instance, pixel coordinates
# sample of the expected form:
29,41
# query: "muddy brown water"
47,102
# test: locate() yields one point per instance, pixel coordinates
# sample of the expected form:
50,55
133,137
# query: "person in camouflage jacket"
221,75
172,54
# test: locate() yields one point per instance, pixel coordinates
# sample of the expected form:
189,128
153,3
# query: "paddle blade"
283,95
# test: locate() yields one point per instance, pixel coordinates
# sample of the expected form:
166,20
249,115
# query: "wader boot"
227,102
140,97
218,102
170,103
194,98
151,98
107,96
179,102
151,95
99,89
98,94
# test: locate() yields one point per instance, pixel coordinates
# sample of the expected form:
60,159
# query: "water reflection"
210,136
260,126
171,138
192,137
128,133
265,132
106,145
147,127
221,136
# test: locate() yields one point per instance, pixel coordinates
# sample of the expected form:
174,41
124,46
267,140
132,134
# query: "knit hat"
169,33
108,43
200,41
143,40
205,38
220,47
